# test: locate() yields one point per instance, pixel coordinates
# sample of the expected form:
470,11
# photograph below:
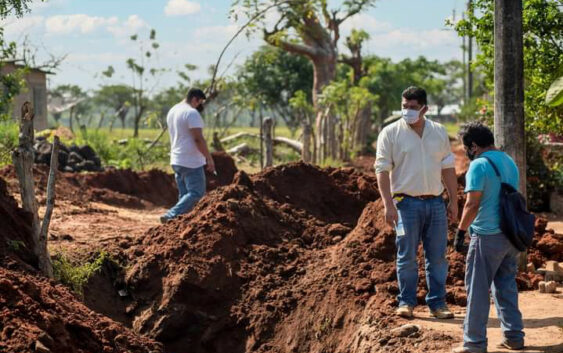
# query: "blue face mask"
411,116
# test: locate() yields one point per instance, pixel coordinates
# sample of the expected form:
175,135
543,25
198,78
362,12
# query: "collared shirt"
415,162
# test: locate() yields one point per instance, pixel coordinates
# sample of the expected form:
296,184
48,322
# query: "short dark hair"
417,93
477,132
195,93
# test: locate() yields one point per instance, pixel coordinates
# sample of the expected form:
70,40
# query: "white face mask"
411,116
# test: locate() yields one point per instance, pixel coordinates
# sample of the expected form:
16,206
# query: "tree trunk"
509,86
362,129
70,118
101,122
306,152
267,130
23,162
137,121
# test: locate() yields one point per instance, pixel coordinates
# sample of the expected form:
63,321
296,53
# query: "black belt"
420,197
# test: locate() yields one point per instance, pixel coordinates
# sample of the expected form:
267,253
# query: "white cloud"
216,32
21,26
96,57
414,39
181,8
366,22
132,25
65,24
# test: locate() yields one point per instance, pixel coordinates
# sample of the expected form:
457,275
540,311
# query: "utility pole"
469,92
509,86
464,66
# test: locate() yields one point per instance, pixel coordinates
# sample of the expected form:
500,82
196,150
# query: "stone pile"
72,158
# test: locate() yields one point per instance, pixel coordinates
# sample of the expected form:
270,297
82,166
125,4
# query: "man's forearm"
469,214
202,147
450,180
384,183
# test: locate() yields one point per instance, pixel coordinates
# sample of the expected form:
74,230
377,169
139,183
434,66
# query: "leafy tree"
76,98
117,98
543,55
274,76
142,69
387,80
308,28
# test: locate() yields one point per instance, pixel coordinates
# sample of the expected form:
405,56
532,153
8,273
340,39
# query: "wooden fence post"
23,161
267,129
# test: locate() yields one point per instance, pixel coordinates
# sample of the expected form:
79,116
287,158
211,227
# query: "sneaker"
442,313
404,311
512,345
164,219
463,349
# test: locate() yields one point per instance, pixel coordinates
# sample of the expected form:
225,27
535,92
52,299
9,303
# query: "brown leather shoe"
442,313
512,345
405,311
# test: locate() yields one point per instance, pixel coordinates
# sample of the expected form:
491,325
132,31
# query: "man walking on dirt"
492,260
188,152
413,158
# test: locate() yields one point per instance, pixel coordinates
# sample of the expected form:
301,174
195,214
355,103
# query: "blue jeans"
191,187
491,260
424,220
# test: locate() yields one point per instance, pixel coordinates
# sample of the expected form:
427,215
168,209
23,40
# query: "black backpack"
515,220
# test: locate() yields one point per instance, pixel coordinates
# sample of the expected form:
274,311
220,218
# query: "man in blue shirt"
491,258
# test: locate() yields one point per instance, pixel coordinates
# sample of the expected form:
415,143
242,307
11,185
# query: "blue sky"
95,33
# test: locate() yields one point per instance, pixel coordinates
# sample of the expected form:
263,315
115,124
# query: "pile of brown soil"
119,187
273,263
226,170
39,316
15,231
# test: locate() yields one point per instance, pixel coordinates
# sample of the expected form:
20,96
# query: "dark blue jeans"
426,221
492,263
191,188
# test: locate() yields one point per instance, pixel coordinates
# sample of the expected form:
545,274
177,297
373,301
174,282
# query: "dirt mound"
272,263
226,170
15,230
120,187
36,315
154,186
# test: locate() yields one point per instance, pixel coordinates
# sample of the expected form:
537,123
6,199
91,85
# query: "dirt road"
543,323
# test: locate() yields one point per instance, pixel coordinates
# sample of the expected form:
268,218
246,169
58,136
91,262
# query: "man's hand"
453,211
459,241
210,165
391,215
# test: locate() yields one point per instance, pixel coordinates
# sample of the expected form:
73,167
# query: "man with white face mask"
413,159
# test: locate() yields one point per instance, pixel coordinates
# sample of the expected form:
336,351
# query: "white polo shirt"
415,162
183,150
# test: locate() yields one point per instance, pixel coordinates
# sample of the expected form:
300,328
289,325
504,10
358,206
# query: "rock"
44,147
405,330
336,239
63,159
541,286
551,287
74,158
74,148
68,169
41,348
363,285
87,152
530,267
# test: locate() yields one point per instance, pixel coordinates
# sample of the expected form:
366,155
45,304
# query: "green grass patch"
9,132
76,276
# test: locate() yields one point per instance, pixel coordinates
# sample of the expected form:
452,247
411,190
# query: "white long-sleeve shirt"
415,162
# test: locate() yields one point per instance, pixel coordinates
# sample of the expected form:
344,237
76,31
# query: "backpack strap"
494,166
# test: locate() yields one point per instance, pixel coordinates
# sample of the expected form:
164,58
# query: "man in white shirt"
188,152
413,158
